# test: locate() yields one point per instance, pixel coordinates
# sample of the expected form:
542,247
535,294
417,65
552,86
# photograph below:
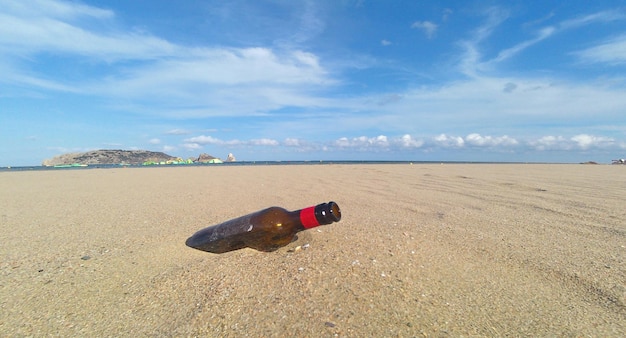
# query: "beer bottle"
265,230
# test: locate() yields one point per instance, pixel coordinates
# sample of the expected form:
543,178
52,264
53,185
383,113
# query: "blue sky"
315,80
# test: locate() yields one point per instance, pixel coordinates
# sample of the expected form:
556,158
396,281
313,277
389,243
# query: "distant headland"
127,157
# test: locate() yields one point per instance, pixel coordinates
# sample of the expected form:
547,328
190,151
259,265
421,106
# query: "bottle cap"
327,213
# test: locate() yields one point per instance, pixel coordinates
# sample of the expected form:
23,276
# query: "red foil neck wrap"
308,219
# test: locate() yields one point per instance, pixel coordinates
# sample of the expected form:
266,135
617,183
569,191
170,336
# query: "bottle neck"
321,214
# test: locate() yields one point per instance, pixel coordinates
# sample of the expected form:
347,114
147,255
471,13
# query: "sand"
422,250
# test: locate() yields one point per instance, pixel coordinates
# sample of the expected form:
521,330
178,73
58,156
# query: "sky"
281,80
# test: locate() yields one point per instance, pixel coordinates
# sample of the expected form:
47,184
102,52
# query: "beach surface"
421,250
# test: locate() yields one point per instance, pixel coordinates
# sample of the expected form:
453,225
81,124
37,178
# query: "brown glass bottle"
265,230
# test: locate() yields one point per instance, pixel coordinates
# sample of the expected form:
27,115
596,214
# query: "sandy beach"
421,250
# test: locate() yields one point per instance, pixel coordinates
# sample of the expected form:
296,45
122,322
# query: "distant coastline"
125,157
261,163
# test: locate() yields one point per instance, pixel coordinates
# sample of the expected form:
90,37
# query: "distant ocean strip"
238,163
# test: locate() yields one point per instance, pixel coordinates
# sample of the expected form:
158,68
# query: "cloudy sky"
315,80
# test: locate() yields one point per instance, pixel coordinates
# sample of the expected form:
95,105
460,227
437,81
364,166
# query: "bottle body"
265,230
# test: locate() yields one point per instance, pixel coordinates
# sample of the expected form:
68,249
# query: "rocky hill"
106,156
205,158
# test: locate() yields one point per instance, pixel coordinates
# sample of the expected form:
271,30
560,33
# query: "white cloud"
203,139
612,51
37,82
210,80
512,51
576,142
598,17
308,59
508,103
192,146
385,42
26,34
546,32
177,131
292,142
362,142
154,141
407,141
446,141
264,142
475,139
428,27
342,142
438,144
222,82
56,9
470,61
549,142
585,141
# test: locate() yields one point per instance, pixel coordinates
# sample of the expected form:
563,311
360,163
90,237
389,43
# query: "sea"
228,164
